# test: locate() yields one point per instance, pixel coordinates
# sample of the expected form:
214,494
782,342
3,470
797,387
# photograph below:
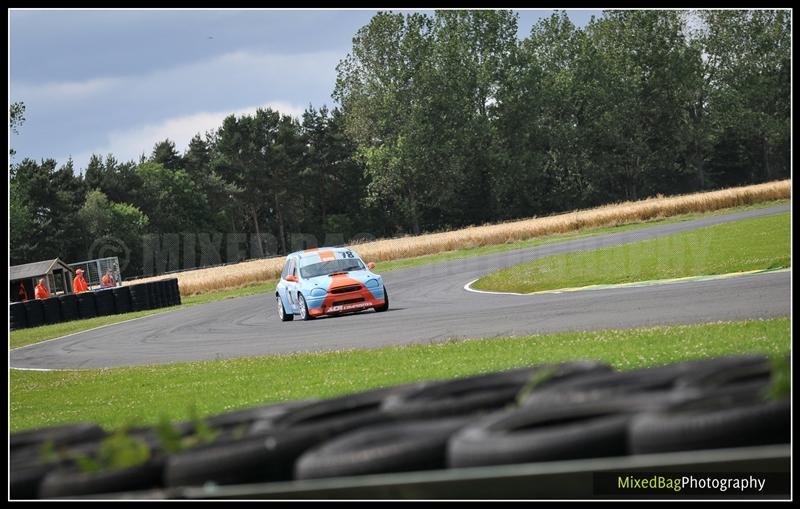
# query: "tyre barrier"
578,410
396,447
270,450
52,310
122,299
726,371
173,294
91,304
17,317
480,393
104,302
86,305
263,416
140,297
69,307
172,291
176,292
166,294
34,312
534,433
24,480
59,435
71,482
154,295
710,421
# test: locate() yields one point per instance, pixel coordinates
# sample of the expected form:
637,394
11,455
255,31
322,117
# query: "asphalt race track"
427,304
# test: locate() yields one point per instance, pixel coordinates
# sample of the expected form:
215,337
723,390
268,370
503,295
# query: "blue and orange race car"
328,281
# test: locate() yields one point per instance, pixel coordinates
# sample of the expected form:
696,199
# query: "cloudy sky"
119,81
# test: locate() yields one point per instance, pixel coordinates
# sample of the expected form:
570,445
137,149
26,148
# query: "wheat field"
256,271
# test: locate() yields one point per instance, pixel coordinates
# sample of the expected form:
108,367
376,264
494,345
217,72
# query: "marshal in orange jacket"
79,284
41,291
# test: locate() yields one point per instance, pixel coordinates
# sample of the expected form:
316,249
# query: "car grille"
346,289
345,302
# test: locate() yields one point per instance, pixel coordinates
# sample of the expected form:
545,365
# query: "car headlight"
318,292
372,283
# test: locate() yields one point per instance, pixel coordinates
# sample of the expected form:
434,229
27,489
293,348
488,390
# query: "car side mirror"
370,265
292,278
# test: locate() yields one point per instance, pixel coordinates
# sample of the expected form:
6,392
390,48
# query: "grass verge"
140,395
751,244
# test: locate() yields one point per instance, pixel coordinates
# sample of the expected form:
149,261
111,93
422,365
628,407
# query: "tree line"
445,120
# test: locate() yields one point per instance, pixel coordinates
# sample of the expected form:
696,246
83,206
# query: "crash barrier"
52,310
17,317
69,307
34,311
122,299
532,416
86,305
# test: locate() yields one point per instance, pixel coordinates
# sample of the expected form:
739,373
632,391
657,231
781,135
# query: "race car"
328,281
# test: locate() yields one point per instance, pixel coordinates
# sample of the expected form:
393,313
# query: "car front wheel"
385,304
284,316
304,314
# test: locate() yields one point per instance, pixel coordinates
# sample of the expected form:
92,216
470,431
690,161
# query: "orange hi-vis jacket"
41,292
108,281
79,284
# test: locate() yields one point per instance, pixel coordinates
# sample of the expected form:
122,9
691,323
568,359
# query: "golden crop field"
255,271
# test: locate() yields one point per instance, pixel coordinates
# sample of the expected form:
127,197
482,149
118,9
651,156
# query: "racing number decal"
349,254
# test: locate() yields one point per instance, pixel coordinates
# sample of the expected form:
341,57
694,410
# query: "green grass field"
34,335
140,395
752,244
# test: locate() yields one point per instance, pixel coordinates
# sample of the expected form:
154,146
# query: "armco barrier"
52,310
342,439
35,312
86,305
69,307
17,316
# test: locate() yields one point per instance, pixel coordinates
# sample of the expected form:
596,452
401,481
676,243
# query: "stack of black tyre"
30,459
140,297
156,299
175,292
87,307
17,317
69,307
163,293
52,310
34,312
104,302
543,413
123,299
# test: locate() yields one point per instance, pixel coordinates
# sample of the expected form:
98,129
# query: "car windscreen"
331,266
